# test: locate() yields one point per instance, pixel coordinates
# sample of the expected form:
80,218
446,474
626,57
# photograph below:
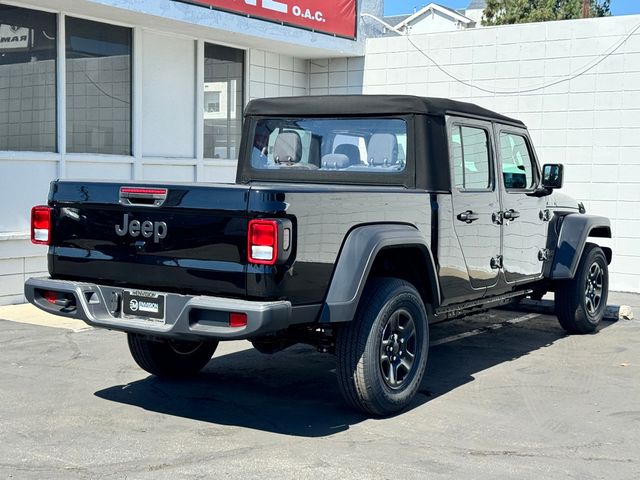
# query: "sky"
398,7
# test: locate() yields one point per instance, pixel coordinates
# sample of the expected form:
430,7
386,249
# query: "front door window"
517,167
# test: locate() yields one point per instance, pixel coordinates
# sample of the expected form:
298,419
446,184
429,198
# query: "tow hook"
116,303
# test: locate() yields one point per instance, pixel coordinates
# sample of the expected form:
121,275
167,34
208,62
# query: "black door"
525,223
475,199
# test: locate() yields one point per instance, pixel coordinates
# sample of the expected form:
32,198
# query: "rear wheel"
382,352
581,302
170,358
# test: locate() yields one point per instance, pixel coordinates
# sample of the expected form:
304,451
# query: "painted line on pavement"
490,328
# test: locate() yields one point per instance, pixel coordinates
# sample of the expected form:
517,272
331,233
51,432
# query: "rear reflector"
41,225
237,320
263,242
50,296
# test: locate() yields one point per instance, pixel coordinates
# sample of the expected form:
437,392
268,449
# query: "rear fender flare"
573,235
356,259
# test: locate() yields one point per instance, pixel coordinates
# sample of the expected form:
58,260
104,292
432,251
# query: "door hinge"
496,262
545,215
544,254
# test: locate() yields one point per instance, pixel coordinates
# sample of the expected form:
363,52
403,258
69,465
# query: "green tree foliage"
503,12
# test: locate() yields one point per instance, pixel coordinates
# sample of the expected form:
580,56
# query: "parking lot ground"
507,395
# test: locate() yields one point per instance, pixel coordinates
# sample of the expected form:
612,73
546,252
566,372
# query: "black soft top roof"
342,105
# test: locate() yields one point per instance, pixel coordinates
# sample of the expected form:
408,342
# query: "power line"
103,91
575,74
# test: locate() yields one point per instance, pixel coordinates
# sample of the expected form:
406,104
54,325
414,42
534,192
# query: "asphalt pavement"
507,395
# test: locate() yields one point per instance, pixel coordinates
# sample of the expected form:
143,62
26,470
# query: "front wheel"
382,352
170,358
581,301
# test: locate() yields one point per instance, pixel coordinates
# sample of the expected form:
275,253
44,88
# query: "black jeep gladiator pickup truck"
355,221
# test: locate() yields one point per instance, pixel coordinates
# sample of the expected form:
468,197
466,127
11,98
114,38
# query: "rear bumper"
187,317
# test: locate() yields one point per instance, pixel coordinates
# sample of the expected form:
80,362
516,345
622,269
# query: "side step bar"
459,309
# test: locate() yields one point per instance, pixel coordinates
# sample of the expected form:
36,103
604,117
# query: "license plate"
142,304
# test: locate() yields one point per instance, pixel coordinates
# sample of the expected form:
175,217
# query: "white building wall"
220,26
434,22
167,140
168,85
591,123
336,76
475,15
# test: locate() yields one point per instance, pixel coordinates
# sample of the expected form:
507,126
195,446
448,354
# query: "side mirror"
552,175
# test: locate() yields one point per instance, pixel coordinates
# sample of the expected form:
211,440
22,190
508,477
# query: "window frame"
58,57
532,157
201,103
63,99
460,122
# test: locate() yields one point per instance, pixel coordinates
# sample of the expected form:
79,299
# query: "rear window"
370,145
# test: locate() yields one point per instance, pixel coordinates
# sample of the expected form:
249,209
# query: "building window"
223,101
27,80
98,81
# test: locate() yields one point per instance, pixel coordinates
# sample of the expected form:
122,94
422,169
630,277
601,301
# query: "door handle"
468,216
511,214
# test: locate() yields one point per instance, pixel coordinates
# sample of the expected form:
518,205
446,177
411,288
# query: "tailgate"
192,239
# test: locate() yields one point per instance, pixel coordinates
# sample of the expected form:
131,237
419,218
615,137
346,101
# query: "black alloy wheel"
581,301
398,349
382,352
593,291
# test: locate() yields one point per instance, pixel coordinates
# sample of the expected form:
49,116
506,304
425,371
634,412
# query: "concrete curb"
27,313
547,307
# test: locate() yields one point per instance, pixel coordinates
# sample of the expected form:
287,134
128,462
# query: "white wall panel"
274,75
23,184
168,96
220,173
103,171
169,173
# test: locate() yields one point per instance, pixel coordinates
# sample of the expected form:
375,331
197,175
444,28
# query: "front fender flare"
574,231
354,263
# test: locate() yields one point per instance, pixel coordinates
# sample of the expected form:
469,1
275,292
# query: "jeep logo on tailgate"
147,229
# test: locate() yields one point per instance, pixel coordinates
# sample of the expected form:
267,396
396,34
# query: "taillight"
263,242
41,225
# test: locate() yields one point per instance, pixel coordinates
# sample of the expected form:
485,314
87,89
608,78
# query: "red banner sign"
337,17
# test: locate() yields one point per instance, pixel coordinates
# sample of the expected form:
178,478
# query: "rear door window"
471,158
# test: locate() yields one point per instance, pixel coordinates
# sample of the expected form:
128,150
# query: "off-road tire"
576,311
169,358
362,370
